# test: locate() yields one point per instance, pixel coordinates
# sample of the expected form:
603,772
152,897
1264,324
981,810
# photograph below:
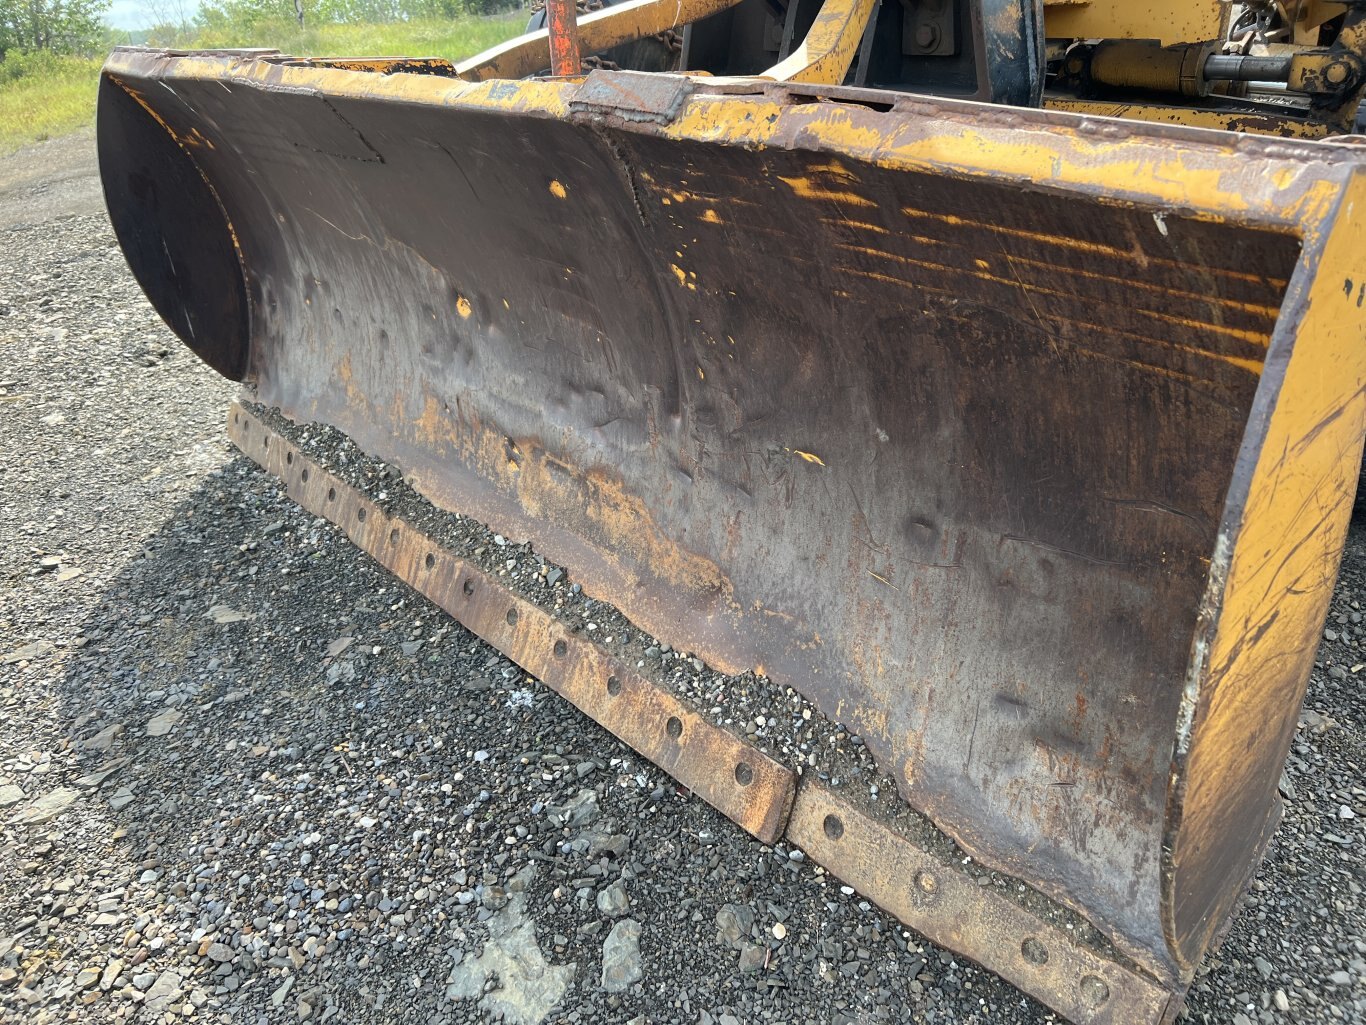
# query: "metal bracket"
632,95
929,28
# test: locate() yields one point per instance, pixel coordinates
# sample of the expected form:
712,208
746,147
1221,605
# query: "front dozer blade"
1021,443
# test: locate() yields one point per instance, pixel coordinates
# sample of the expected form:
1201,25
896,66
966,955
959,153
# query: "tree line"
57,26
226,13
77,26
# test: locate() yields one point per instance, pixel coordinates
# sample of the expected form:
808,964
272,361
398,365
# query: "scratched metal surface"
947,456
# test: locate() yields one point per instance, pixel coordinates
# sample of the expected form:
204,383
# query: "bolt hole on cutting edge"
303,475
833,826
468,588
360,515
744,774
512,617
1094,992
613,686
674,727
331,494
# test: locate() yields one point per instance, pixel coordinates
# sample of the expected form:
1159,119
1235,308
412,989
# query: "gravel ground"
246,776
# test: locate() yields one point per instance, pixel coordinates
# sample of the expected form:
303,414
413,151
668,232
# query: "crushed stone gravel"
246,776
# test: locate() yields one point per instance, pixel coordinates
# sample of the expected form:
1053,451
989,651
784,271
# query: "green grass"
454,40
42,95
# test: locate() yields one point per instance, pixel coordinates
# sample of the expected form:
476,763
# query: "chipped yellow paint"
1270,585
711,216
848,224
462,307
1062,271
836,168
685,195
1221,120
701,376
1080,245
1259,338
557,189
197,138
805,188
808,457
549,97
1173,21
824,56
1251,365
1211,178
1208,179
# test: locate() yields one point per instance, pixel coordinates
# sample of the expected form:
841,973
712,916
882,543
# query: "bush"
43,94
17,64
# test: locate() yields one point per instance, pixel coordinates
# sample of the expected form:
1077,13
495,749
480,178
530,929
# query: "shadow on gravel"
305,793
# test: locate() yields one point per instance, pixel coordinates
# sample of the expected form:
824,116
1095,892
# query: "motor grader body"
936,360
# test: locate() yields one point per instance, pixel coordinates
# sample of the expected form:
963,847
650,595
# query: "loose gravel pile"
246,776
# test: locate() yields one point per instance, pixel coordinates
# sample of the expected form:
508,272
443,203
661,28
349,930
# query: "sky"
136,14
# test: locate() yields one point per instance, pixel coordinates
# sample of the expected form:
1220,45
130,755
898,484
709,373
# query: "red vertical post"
563,18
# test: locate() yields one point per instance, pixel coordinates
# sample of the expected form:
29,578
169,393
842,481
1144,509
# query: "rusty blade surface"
925,409
743,783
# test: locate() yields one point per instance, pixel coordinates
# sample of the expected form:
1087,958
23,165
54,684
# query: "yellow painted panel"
824,56
1172,21
1286,546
